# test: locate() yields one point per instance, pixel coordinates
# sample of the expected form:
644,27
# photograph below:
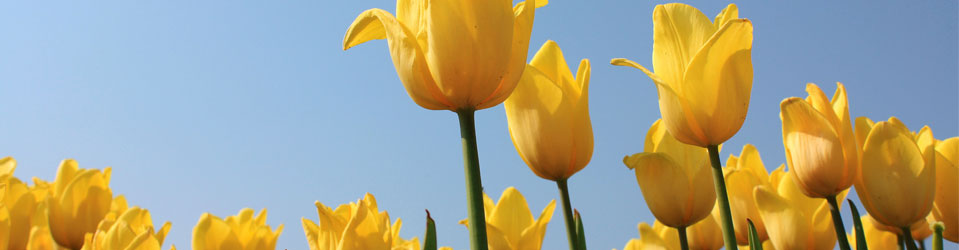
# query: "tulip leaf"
580,234
429,241
857,224
754,243
937,229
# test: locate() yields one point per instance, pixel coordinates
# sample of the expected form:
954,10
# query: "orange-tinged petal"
947,193
718,81
897,181
813,149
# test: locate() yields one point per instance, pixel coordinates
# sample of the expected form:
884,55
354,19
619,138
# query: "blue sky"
213,106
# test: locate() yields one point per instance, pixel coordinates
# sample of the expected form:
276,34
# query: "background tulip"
131,230
674,178
743,173
510,223
946,207
876,239
241,232
821,148
452,54
704,235
80,199
548,115
703,71
794,220
355,226
20,205
896,183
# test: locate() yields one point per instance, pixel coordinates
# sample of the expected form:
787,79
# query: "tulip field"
333,125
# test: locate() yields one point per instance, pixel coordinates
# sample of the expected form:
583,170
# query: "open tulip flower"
452,55
946,207
792,219
674,178
356,226
80,199
743,173
703,71
17,204
897,181
510,223
131,230
237,232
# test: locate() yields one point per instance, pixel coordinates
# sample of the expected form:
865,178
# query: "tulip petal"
788,228
7,166
947,193
469,45
719,79
212,233
668,189
522,28
532,236
649,239
740,184
813,149
511,214
731,12
896,182
679,31
863,126
408,58
539,125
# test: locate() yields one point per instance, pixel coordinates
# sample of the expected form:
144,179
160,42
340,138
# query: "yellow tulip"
19,203
355,226
704,235
131,230
453,55
675,178
897,181
7,166
704,72
510,224
238,232
820,145
743,173
80,199
876,239
41,239
792,219
946,207
548,115
920,230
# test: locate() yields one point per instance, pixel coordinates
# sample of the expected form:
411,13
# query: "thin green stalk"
474,184
683,241
937,229
907,238
729,232
568,214
837,223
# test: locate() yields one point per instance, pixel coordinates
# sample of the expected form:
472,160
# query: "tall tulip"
354,226
821,148
243,231
744,173
510,223
793,220
548,115
946,207
460,56
80,199
897,181
704,75
674,179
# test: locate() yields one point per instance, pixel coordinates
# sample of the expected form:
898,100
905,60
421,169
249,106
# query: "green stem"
937,235
568,214
907,238
474,184
901,242
683,241
857,223
729,232
837,223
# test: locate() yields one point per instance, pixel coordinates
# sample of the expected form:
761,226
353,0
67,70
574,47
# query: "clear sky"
213,106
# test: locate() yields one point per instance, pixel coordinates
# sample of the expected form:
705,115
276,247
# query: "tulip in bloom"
792,219
897,181
131,230
704,235
356,226
80,199
18,206
876,238
946,207
703,71
548,115
744,173
240,232
511,225
675,178
820,145
452,55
